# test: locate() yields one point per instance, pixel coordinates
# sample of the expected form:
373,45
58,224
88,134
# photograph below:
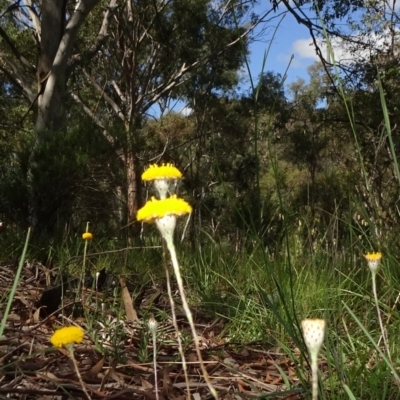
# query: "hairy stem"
175,264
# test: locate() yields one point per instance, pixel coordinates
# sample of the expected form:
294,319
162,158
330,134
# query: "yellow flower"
155,172
156,209
67,335
374,261
373,256
87,236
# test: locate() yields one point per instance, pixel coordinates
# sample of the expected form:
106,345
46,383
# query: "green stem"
81,281
70,348
15,284
314,377
385,339
178,333
154,337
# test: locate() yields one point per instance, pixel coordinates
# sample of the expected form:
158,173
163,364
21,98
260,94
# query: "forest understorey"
110,358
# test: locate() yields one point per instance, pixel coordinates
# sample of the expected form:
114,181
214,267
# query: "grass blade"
15,284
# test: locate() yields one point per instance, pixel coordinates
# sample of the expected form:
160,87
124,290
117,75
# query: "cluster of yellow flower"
164,212
374,261
67,335
87,236
155,172
163,209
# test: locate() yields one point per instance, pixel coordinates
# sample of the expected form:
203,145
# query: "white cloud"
186,111
344,52
304,48
303,52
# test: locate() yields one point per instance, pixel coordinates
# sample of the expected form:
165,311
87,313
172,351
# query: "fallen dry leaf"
130,311
95,370
251,371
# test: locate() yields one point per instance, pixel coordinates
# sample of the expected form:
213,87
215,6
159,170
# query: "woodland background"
290,184
82,81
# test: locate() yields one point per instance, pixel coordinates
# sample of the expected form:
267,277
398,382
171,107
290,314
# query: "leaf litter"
115,357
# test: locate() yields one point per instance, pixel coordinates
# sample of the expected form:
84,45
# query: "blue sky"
290,39
293,39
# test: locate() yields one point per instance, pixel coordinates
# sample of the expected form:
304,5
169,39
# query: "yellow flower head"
374,261
155,172
67,335
155,209
373,256
87,236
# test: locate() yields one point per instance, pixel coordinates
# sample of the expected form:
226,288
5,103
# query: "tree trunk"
132,192
50,114
57,40
51,194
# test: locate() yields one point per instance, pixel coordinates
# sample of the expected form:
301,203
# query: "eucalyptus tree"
38,55
42,68
116,59
157,51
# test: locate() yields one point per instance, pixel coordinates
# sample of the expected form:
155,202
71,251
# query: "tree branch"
119,91
101,38
15,51
17,76
163,88
35,19
105,96
93,117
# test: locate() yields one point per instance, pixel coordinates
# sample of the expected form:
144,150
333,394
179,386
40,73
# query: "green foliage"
288,192
13,289
63,173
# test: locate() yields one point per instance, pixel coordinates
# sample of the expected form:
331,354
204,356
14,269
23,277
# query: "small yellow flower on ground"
155,172
67,335
87,236
156,209
374,261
